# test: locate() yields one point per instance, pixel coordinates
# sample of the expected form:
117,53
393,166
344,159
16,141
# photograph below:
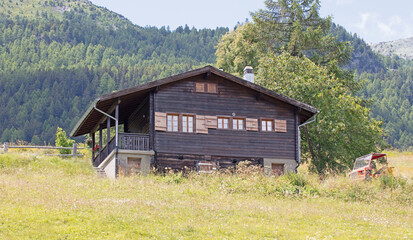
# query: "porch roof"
129,98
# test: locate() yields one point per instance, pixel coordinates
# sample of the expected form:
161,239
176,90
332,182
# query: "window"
188,123
172,122
206,87
199,87
212,88
266,125
207,166
277,169
223,122
238,124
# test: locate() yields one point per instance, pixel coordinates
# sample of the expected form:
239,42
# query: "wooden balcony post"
117,138
107,130
93,145
107,134
151,120
100,142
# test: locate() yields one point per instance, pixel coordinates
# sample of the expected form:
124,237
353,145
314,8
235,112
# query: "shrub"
63,141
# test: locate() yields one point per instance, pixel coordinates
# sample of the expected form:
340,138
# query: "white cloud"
364,18
394,26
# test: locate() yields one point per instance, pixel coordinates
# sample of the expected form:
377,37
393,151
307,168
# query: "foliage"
70,201
292,26
238,48
392,94
291,47
63,141
54,62
343,130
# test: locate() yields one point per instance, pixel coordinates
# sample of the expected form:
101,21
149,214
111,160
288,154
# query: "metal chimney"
249,74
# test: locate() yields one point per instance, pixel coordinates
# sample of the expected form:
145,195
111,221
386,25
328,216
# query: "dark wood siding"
138,121
180,97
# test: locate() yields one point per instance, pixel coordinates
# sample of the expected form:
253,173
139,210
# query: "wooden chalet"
203,120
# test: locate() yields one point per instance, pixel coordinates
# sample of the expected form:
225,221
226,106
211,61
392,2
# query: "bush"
63,141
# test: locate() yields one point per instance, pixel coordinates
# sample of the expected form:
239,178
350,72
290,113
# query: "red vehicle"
370,166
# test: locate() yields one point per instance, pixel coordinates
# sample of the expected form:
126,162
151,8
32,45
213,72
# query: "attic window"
200,87
212,88
206,87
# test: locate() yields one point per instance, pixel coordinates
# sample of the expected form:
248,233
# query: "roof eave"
83,118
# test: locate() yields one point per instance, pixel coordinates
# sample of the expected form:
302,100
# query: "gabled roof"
130,96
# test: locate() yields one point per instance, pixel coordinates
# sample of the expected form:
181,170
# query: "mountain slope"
402,48
54,62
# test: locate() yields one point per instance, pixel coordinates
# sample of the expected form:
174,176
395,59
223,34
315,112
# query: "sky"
373,20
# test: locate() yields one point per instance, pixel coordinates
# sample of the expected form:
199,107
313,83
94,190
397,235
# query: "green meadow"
55,198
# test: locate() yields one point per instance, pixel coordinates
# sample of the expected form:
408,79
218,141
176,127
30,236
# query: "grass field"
54,198
403,163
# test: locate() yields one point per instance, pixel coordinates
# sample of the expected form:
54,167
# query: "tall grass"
55,198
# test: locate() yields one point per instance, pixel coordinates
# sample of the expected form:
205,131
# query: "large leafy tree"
290,47
343,130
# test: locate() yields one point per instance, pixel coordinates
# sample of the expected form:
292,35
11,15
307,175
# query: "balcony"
127,141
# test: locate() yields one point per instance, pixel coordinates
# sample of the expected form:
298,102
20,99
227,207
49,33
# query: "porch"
127,141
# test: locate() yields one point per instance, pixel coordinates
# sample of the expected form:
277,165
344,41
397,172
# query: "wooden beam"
258,96
107,130
151,120
93,145
116,140
207,75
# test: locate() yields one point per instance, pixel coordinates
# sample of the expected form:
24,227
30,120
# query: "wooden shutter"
252,124
281,125
199,87
160,121
211,121
212,88
200,124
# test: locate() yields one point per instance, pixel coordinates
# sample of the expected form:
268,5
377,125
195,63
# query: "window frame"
229,122
200,84
215,88
206,87
238,119
172,126
186,115
266,125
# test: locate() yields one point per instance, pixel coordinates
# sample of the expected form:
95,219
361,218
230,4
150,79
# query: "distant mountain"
363,58
402,48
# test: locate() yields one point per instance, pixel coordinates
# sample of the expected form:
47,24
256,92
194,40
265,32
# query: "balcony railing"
127,141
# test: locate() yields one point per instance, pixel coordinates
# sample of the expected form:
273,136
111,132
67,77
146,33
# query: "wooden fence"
74,149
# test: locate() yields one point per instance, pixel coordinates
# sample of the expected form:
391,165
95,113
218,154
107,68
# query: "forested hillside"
392,93
363,58
54,62
388,82
56,56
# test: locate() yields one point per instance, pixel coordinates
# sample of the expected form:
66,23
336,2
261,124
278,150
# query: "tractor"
371,166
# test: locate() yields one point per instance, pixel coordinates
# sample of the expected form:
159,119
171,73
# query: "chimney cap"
248,69
249,74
